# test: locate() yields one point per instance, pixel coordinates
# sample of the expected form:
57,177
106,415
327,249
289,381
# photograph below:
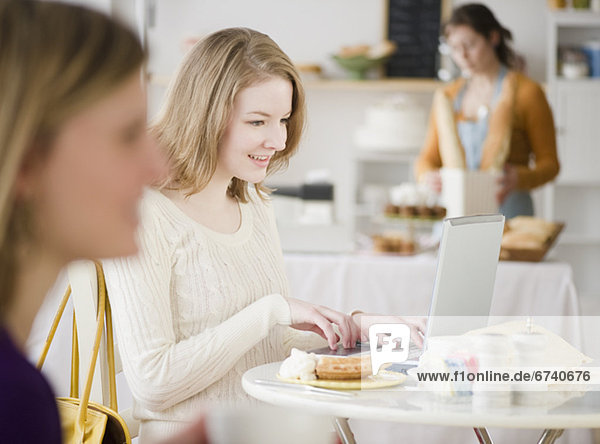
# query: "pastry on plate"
343,367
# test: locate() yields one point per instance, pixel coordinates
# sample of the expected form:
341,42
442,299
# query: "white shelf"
390,84
574,195
585,81
577,183
578,239
573,17
383,156
416,85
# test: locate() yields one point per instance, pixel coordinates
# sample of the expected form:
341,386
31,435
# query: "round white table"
406,405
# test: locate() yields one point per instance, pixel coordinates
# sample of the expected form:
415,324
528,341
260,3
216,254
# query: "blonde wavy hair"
200,101
55,60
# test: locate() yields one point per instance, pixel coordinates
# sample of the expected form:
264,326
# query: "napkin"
558,353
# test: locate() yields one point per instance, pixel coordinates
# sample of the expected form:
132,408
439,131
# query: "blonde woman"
207,298
74,158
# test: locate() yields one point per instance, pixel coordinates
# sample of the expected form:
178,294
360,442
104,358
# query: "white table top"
414,407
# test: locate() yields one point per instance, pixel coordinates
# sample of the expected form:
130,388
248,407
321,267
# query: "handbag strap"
110,353
110,345
103,312
110,349
74,360
85,397
52,332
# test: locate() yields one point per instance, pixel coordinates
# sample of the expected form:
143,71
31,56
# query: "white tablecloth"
404,285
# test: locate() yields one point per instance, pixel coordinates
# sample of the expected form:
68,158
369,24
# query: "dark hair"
479,18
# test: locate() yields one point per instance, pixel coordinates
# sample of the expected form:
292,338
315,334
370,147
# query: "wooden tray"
531,254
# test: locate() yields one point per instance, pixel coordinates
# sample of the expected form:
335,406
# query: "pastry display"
414,201
529,224
394,243
523,239
407,223
421,211
527,232
528,238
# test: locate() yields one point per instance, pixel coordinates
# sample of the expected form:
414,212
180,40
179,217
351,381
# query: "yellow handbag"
84,421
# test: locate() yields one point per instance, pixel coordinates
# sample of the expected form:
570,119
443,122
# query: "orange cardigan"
527,118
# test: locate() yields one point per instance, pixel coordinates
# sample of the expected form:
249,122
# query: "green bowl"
358,66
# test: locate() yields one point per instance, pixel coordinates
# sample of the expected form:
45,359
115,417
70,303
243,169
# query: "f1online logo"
389,344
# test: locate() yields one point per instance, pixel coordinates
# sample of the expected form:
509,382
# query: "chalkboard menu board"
415,27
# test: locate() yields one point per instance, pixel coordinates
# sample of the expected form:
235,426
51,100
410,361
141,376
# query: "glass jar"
557,4
581,4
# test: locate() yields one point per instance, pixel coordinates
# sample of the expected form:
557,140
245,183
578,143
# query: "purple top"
28,412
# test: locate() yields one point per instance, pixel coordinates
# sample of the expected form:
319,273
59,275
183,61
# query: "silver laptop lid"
466,272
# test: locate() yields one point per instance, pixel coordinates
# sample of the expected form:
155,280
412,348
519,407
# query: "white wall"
307,30
311,30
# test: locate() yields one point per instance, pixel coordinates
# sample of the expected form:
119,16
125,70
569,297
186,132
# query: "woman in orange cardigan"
494,118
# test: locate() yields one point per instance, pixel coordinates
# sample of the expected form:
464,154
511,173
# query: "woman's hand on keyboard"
320,320
417,325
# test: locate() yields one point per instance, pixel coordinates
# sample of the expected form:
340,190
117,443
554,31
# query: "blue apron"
472,134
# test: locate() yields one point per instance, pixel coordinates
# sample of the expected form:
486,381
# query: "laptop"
465,277
464,282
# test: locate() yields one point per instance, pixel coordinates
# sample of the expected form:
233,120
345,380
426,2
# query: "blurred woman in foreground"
74,158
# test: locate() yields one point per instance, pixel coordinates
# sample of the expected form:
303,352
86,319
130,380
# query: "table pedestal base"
483,437
343,430
549,436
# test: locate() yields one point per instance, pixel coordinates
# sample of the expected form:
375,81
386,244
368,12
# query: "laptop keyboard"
414,351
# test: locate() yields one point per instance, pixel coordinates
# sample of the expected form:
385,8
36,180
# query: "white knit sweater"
195,308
